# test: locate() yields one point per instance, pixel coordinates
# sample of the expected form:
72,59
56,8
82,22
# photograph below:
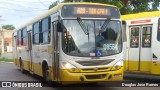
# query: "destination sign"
90,11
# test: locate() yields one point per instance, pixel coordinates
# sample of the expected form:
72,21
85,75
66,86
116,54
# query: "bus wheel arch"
45,71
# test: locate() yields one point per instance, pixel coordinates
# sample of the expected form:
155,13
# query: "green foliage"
126,10
8,27
52,5
155,5
67,1
6,60
140,6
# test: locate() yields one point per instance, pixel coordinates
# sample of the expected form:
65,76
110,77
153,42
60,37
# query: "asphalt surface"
10,72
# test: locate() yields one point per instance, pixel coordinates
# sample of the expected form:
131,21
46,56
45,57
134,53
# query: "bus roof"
55,9
141,15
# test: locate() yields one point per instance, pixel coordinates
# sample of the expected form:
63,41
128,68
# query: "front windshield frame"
120,32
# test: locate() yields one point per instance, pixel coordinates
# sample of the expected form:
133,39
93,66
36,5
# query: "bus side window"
158,31
146,37
24,36
134,43
19,39
46,30
36,33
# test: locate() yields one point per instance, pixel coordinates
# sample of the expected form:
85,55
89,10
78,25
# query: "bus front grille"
100,76
95,62
102,69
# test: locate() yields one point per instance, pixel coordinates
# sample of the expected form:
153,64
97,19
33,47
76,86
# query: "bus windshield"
93,41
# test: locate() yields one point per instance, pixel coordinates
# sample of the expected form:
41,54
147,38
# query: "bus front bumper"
69,77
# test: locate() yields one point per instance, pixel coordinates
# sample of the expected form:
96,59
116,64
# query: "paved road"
9,72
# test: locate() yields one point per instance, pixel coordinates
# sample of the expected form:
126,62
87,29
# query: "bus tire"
21,66
46,73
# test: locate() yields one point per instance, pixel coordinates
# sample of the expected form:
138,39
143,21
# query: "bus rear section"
142,51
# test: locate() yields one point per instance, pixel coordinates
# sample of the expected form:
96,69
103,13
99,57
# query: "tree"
8,27
155,5
141,5
53,4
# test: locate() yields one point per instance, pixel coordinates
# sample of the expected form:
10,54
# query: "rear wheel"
21,66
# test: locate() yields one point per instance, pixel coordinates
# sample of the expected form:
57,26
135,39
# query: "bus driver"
99,37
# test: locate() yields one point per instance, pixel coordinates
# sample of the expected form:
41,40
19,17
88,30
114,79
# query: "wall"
7,40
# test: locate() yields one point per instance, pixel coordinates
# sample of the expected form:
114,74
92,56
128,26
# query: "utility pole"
2,38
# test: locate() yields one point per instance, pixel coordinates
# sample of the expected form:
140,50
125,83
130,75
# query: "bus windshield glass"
87,38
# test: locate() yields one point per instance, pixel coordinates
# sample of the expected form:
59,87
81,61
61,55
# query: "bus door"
55,52
146,52
29,44
140,48
125,48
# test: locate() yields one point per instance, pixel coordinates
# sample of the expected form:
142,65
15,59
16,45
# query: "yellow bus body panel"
140,15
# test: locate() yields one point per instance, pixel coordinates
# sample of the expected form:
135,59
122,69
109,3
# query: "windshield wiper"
105,24
84,28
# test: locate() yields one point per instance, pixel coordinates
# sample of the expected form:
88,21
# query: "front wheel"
46,73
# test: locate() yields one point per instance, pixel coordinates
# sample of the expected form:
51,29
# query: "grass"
3,59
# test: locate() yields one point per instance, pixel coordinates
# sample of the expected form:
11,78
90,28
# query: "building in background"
7,40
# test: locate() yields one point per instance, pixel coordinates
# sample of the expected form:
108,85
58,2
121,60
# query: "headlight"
70,67
118,65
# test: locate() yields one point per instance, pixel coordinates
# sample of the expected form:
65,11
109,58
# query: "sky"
18,12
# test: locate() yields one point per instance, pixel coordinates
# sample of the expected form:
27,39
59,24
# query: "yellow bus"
72,42
142,42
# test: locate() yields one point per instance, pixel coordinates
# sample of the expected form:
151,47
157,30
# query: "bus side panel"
126,58
40,54
37,69
36,60
22,53
155,64
124,46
